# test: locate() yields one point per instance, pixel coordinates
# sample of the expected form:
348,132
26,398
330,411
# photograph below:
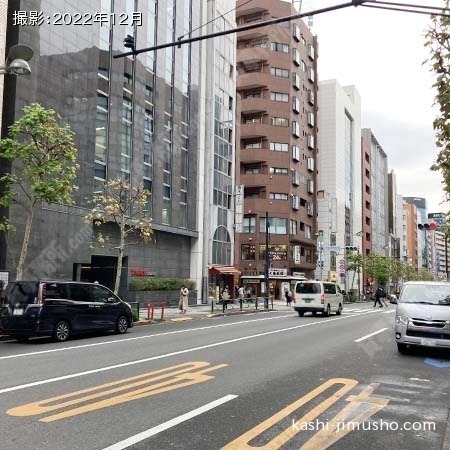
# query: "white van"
318,296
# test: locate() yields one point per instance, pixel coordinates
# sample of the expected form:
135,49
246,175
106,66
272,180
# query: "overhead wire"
215,18
385,5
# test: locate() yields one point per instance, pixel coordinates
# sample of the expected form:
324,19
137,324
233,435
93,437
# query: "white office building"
339,179
215,244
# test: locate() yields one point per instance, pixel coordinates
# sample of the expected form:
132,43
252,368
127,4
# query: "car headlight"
401,320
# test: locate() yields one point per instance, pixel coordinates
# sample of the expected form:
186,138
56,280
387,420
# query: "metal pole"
446,258
267,262
359,279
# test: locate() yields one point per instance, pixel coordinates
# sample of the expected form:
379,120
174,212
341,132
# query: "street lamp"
17,61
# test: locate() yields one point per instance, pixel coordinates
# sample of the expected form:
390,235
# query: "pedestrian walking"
379,294
288,295
249,294
184,297
241,294
225,297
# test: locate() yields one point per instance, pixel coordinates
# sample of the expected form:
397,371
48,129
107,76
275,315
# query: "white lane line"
118,341
370,335
180,352
388,312
169,424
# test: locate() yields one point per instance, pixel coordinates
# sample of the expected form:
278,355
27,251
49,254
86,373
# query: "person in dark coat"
379,294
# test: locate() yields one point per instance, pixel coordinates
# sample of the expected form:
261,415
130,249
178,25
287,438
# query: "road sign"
332,248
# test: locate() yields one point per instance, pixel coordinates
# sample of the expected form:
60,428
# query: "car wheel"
301,313
327,312
339,311
122,325
402,348
61,332
21,338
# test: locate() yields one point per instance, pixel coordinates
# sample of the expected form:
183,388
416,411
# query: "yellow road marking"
181,319
242,442
153,383
362,405
360,408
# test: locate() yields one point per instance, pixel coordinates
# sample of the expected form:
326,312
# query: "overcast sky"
382,54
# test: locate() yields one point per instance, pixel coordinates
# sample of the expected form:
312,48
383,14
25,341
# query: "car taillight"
322,299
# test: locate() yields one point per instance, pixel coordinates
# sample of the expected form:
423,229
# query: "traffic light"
351,248
427,226
128,42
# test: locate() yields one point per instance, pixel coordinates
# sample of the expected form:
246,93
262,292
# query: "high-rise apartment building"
412,244
3,23
276,146
137,118
339,178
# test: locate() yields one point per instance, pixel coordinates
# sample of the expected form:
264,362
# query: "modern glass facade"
134,117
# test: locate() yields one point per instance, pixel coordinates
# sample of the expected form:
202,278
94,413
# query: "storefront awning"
226,270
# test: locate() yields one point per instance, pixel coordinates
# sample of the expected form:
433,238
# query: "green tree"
125,206
438,43
46,157
377,268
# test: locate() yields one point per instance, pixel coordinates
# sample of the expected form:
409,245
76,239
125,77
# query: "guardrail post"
152,309
148,310
163,304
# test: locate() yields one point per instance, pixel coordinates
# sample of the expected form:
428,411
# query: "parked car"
318,296
61,309
423,315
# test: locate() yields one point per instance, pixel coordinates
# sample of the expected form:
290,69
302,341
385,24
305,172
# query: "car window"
308,288
102,294
80,292
55,291
338,289
437,294
23,292
329,288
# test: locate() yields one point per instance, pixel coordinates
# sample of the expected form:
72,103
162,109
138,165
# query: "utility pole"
359,279
267,264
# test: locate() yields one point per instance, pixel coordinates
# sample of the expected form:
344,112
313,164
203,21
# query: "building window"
308,231
311,51
310,186
303,64
295,202
253,144
279,97
295,104
310,119
311,74
277,225
311,97
221,247
248,252
278,171
281,73
277,196
296,32
251,170
249,224
311,164
279,47
279,122
293,227
279,147
295,80
295,178
310,209
296,56
310,141
296,153
295,129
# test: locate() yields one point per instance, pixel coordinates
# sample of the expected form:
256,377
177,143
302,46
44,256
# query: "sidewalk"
173,314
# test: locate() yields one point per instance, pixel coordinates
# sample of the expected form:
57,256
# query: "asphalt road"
231,382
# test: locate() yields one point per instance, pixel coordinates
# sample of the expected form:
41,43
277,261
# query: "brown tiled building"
276,150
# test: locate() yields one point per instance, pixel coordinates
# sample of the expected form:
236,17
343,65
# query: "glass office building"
133,117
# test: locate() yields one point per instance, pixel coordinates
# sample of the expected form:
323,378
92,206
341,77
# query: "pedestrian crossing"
356,310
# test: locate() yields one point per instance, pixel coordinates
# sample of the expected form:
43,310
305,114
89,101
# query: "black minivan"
61,309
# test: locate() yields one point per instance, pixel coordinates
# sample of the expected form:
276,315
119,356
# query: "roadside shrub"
160,284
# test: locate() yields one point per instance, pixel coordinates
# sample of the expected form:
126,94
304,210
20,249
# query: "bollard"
152,307
272,302
148,310
256,302
240,302
163,304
